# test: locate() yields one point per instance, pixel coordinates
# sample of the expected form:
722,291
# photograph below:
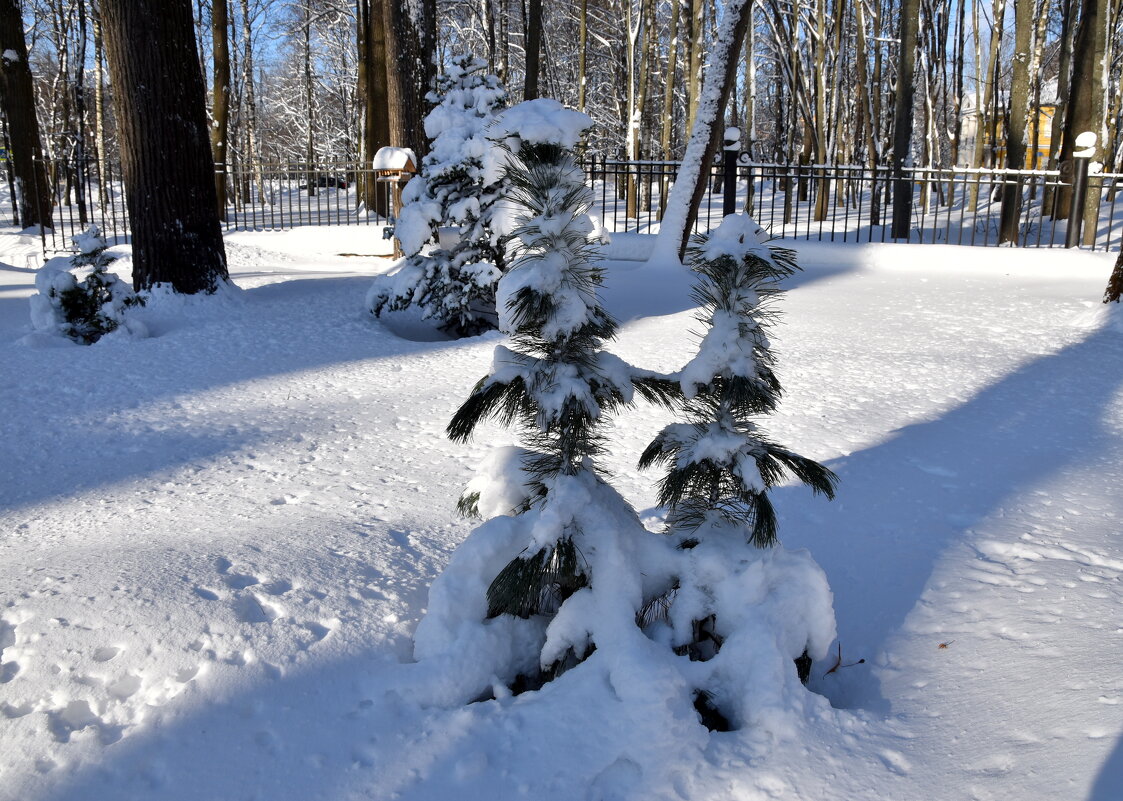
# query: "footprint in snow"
251,609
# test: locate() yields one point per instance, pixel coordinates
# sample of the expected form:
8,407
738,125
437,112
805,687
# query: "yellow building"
1040,125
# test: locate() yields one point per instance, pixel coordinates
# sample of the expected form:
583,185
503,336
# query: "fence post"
729,193
1087,142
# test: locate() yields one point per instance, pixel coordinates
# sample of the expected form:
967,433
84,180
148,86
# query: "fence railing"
855,204
828,203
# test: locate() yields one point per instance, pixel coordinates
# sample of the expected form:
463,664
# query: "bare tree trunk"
410,42
533,49
696,35
686,195
1084,111
902,118
1051,196
309,99
80,167
582,53
1016,130
250,103
160,98
983,116
220,108
33,194
99,112
819,129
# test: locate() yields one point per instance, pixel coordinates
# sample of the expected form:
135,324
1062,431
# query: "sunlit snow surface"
216,542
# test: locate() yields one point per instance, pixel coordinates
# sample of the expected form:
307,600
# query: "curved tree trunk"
160,105
33,194
706,134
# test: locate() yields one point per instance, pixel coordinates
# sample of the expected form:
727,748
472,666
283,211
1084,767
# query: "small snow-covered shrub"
555,574
454,284
84,310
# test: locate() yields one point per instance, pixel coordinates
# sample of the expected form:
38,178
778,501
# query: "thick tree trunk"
159,98
410,30
220,102
33,193
1085,108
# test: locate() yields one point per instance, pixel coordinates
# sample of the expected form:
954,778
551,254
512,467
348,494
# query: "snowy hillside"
215,543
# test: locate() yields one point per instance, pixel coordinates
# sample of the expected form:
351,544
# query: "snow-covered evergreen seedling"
720,461
756,608
559,577
454,283
85,310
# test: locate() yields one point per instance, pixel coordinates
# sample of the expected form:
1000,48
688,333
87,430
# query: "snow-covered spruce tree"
740,602
85,310
553,575
456,284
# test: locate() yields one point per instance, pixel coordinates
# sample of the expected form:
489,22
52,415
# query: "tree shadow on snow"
70,418
902,503
1109,783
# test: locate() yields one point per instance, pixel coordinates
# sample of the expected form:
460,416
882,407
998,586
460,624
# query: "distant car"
329,181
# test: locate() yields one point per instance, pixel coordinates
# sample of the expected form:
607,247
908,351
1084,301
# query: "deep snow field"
216,542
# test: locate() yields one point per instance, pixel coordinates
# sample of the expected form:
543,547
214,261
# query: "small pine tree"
720,462
456,284
85,310
557,384
742,609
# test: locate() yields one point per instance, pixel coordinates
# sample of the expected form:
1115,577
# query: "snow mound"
543,121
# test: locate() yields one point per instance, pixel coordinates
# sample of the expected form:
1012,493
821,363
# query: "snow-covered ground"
216,542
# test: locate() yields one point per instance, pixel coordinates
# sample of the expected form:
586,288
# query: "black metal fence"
835,203
957,206
259,198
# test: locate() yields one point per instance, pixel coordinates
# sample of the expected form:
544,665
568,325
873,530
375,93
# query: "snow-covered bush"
535,592
563,574
453,284
751,610
84,310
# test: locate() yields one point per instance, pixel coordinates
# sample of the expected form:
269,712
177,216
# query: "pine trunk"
170,193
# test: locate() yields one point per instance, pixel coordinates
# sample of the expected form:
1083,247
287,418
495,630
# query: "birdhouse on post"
394,166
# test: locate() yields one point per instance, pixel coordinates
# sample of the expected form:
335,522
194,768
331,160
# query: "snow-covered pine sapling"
720,463
454,284
85,310
746,611
557,553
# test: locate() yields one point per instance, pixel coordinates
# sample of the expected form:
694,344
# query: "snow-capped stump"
738,601
451,279
88,309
